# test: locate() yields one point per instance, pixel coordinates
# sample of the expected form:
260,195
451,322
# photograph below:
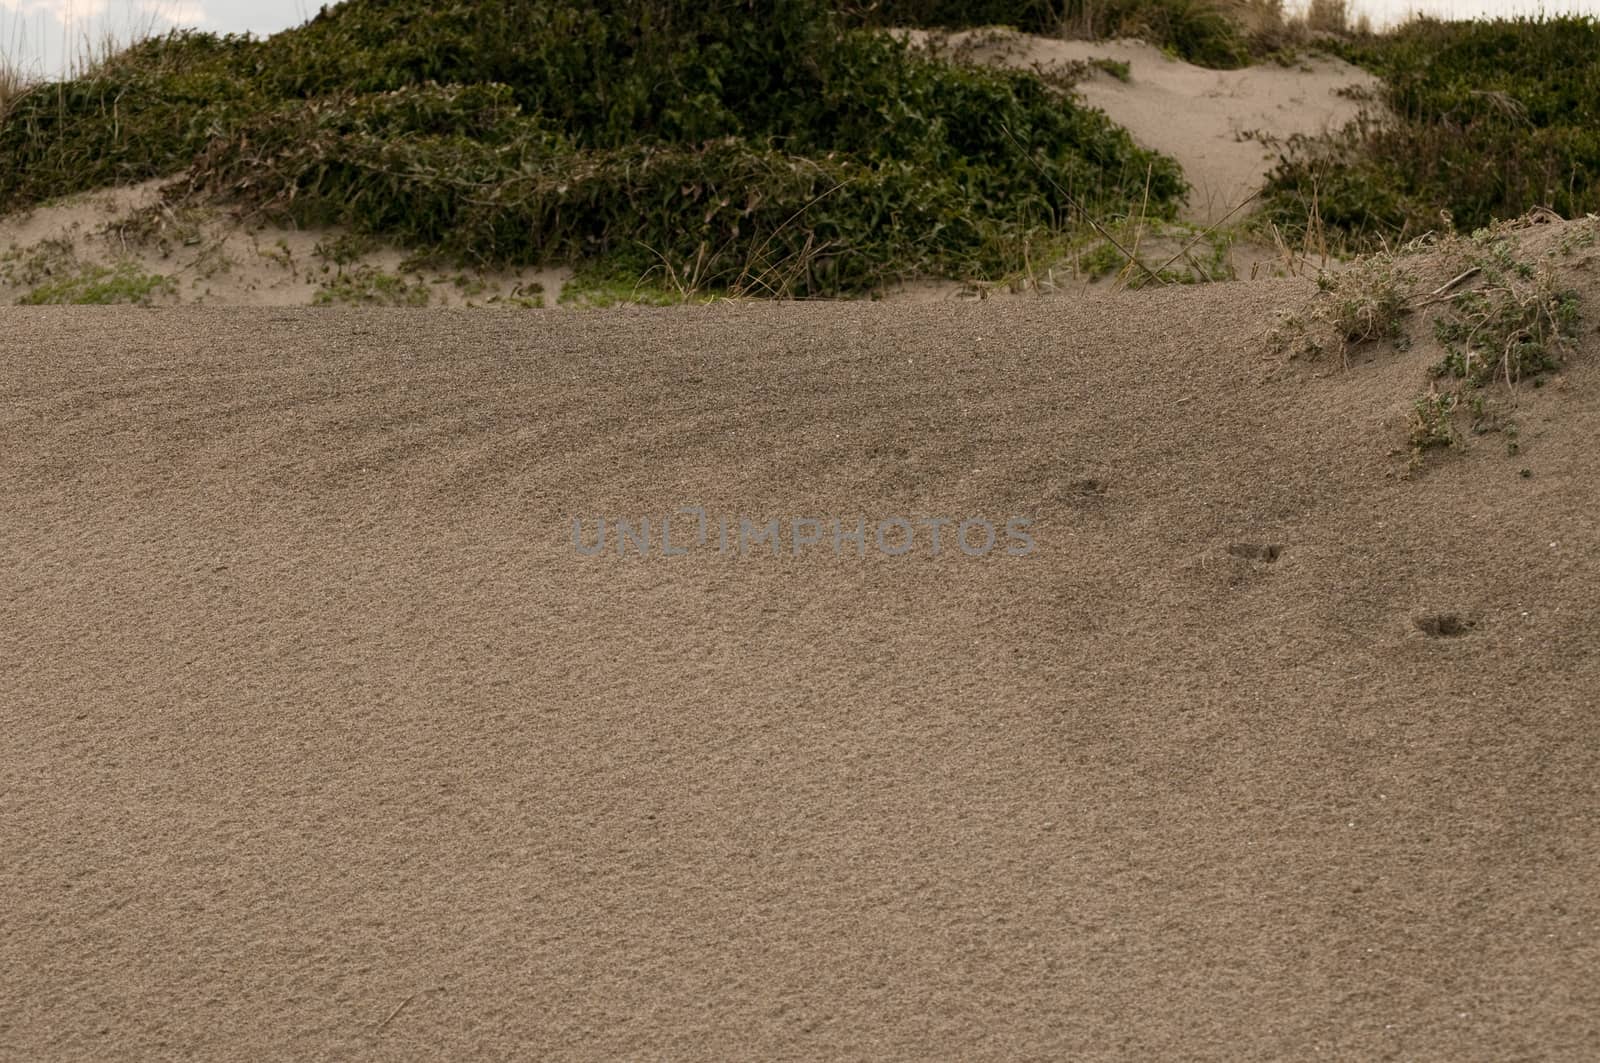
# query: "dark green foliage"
144,113
1030,16
1195,30
763,144
1491,120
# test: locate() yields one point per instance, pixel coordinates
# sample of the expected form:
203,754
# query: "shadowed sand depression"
321,740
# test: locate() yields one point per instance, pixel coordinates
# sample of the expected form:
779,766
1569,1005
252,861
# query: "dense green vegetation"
759,146
782,146
1490,119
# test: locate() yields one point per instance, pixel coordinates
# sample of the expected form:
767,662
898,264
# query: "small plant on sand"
158,226
1369,300
31,266
281,255
1101,260
101,286
1295,336
470,287
1363,304
366,286
1517,323
344,250
598,287
1115,67
1139,252
1580,235
528,296
1432,426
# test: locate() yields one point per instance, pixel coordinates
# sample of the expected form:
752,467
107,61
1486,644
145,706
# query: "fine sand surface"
322,741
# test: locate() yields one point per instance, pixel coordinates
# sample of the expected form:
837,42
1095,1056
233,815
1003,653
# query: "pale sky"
45,36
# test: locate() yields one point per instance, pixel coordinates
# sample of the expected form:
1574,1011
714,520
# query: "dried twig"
398,1009
1213,228
1438,294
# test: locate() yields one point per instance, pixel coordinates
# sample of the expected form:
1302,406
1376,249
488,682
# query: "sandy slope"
322,741
206,254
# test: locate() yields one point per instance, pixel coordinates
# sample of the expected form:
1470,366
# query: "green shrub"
1116,68
1489,119
1195,30
1433,424
1030,16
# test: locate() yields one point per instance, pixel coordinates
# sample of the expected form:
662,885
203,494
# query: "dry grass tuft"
1366,303
12,85
1328,16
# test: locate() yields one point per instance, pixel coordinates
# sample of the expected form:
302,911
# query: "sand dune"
324,741
1215,123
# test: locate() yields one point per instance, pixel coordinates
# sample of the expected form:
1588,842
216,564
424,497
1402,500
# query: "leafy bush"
1199,31
768,143
1489,119
1195,30
1030,16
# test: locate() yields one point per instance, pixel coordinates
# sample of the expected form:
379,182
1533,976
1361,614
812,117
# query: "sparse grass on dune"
13,82
1507,315
1200,31
11,86
102,286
